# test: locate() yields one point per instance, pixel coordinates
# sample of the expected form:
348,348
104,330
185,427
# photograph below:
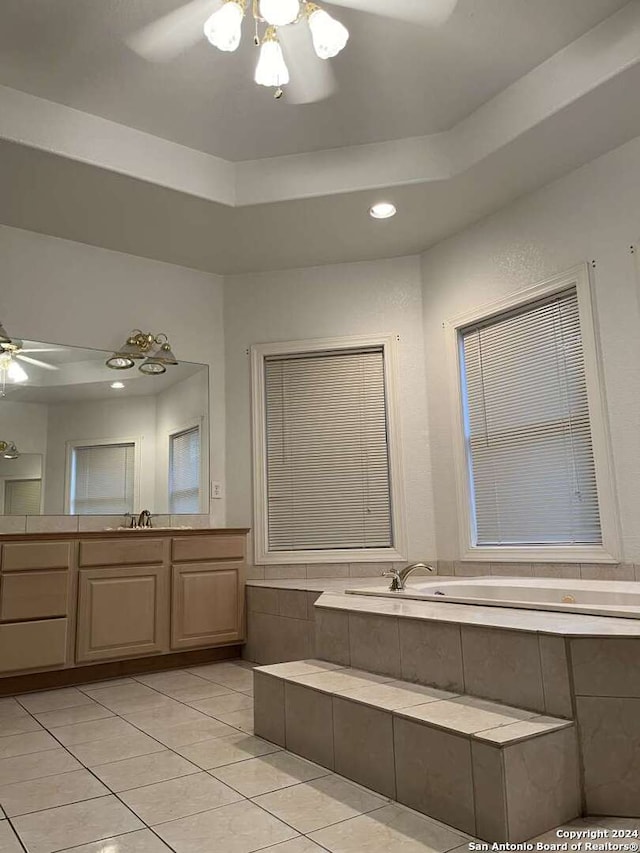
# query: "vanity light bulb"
271,69
329,36
16,373
224,28
279,13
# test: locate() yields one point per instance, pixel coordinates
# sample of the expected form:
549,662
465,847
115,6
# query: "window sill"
357,555
539,554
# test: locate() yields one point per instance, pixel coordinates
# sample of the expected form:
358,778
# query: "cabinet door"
206,607
122,612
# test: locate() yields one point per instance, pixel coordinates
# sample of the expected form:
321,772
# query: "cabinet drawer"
33,595
189,548
17,556
120,552
33,645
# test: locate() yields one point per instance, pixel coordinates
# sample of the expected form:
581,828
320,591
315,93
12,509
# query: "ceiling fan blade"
312,78
171,35
428,13
22,350
36,362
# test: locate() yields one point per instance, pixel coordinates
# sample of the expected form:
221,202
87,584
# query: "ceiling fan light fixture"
279,13
4,337
16,373
271,69
329,36
224,28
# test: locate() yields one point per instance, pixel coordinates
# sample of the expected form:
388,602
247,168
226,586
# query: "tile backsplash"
75,523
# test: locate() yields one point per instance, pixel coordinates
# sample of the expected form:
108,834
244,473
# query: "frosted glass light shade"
271,69
224,28
279,13
329,36
16,372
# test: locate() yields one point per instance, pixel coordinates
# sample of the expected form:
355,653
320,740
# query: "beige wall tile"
556,570
363,745
297,570
374,643
99,522
368,570
607,666
542,783
466,569
489,792
610,743
604,572
262,600
13,523
269,707
328,570
255,573
433,773
332,635
275,639
431,653
512,570
292,603
312,597
52,523
309,724
446,567
503,665
555,676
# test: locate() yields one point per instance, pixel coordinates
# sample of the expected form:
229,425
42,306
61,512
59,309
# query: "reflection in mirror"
96,443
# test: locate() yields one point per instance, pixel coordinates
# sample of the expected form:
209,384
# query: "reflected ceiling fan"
295,37
12,351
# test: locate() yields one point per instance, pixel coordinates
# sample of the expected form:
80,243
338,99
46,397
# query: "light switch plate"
216,490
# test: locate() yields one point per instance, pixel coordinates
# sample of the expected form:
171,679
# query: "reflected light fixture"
154,350
382,210
8,450
117,385
223,29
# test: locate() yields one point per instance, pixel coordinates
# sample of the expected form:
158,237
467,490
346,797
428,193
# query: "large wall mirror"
77,437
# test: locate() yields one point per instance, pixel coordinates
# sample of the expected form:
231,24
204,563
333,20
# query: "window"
184,471
22,497
324,462
102,479
534,461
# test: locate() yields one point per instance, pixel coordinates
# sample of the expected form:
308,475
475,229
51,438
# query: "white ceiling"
395,80
450,124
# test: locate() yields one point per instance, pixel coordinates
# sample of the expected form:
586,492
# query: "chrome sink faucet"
143,520
399,576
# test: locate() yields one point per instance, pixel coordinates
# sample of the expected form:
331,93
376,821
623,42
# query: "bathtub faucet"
399,576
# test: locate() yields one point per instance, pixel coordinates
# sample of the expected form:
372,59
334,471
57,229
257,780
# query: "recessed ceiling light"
117,385
383,210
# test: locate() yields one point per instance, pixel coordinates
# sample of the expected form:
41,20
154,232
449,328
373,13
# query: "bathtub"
596,598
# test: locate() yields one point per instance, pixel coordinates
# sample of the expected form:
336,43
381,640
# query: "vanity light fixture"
8,450
154,350
382,210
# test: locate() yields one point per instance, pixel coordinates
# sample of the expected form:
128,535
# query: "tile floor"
168,762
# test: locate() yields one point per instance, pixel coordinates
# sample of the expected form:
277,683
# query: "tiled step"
497,772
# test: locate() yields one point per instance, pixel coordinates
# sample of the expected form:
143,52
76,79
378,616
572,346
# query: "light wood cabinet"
33,645
23,556
207,604
122,612
34,595
121,552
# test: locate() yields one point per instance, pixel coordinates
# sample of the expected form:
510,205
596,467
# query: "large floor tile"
17,724
225,704
71,716
23,744
115,749
8,840
23,797
301,844
52,700
208,754
179,798
242,720
391,828
237,828
183,686
156,718
37,765
183,734
268,773
80,823
141,841
144,770
130,698
92,730
314,805
228,675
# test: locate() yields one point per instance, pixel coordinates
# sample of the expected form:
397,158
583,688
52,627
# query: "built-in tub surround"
597,598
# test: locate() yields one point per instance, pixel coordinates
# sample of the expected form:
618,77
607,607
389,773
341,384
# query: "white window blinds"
102,479
328,480
527,427
22,497
184,472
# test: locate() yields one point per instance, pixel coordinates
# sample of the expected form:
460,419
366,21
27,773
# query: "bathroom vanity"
69,602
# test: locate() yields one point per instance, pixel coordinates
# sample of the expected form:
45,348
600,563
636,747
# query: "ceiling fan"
295,37
12,350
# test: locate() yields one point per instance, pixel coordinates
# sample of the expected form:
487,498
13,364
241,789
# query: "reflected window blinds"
102,479
184,472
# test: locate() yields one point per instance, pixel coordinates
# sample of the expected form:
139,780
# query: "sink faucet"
399,576
144,519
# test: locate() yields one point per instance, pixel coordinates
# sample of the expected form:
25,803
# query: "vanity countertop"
122,534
